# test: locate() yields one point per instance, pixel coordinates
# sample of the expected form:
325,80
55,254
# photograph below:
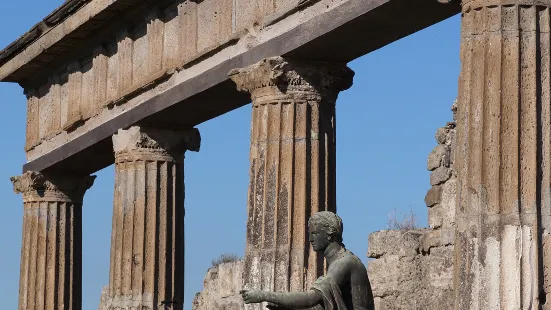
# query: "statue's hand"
275,307
252,296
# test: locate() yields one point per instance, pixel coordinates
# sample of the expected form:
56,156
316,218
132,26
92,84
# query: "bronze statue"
346,285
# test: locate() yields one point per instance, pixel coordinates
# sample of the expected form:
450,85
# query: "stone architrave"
292,173
51,253
147,244
503,156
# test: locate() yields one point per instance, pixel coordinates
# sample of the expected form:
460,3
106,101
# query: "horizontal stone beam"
343,33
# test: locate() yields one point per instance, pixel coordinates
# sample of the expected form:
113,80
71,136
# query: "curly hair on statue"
328,222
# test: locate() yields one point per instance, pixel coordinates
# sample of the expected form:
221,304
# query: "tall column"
292,172
51,253
504,156
147,243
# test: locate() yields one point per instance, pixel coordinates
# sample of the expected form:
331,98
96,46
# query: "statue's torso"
353,281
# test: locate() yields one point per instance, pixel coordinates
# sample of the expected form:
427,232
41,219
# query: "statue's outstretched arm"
293,300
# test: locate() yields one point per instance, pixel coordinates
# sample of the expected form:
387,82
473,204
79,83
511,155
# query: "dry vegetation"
401,221
225,258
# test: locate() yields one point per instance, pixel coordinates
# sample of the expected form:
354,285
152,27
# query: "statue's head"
324,228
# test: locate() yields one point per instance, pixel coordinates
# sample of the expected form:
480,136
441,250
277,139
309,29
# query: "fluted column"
292,172
51,253
504,156
147,244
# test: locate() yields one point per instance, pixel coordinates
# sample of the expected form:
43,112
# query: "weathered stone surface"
448,202
51,253
503,138
440,175
442,214
436,219
433,195
147,249
293,101
221,288
394,242
441,135
407,276
439,157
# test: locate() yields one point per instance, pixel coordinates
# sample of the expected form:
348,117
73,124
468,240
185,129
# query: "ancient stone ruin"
125,83
413,269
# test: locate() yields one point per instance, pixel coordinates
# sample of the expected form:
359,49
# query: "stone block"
249,12
422,280
439,268
392,274
435,216
448,202
394,242
155,38
124,53
442,135
438,157
285,5
112,88
49,104
188,11
440,175
221,288
214,23
100,79
32,121
172,34
140,54
433,195
87,105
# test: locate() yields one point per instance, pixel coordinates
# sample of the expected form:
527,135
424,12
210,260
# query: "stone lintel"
36,186
342,34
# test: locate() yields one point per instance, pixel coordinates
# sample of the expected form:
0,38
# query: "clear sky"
386,123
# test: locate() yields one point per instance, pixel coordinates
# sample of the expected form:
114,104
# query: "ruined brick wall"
221,288
414,269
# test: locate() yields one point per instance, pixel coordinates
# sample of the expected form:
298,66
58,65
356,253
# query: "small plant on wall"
225,258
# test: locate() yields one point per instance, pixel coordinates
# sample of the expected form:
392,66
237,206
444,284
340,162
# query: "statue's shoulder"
353,260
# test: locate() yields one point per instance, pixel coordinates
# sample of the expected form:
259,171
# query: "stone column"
147,244
51,253
292,166
504,156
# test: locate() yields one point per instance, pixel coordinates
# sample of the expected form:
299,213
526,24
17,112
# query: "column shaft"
51,253
503,155
292,172
147,244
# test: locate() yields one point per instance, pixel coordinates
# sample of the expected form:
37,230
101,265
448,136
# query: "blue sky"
386,123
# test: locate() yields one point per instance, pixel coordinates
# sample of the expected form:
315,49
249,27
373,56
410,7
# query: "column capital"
278,76
35,186
159,144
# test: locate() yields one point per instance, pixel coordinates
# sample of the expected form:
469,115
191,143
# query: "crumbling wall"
411,270
221,288
414,269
